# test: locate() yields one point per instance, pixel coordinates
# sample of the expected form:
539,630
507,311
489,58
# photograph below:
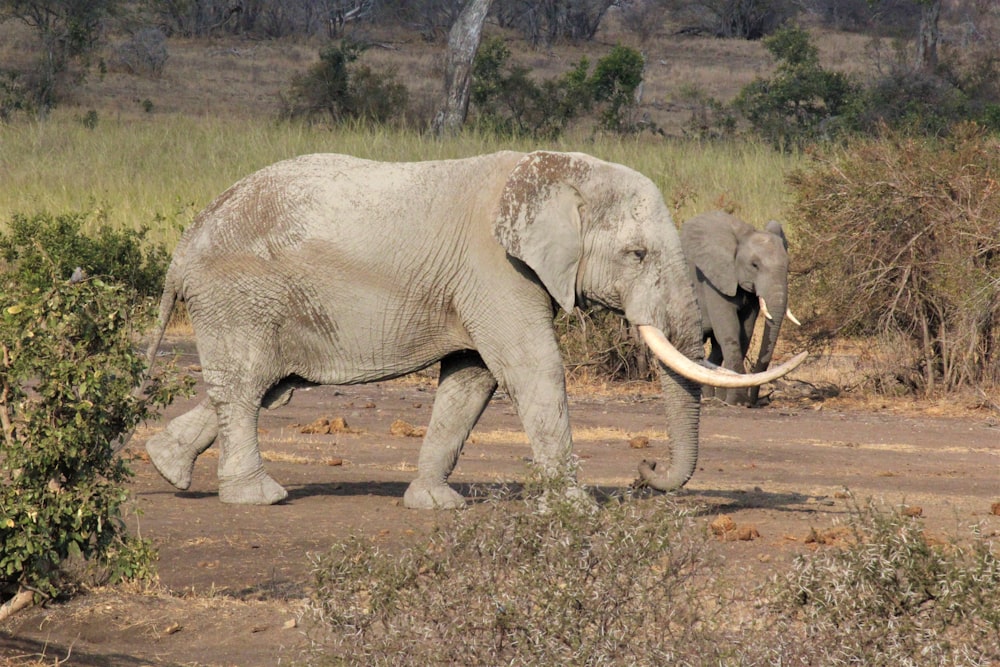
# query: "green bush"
791,108
903,242
614,82
508,101
337,88
67,397
47,249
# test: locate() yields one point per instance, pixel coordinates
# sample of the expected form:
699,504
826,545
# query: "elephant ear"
539,220
774,227
710,243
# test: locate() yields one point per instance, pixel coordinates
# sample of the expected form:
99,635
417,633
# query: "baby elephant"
738,272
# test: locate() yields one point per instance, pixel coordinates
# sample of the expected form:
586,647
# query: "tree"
66,29
463,42
928,35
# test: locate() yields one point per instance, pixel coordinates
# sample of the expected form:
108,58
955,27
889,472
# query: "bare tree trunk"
463,42
927,39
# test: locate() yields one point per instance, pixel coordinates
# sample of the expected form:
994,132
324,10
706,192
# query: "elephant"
331,269
738,272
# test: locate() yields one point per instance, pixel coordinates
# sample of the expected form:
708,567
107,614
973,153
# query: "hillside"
240,77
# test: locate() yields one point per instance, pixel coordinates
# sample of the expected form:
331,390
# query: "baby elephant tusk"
795,320
763,308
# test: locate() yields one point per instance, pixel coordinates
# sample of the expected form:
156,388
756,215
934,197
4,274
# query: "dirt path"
232,578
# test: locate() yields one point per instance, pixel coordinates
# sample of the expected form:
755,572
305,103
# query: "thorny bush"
891,595
509,582
904,241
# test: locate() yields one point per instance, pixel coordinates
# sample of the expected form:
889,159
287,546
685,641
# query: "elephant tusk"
704,373
763,308
795,320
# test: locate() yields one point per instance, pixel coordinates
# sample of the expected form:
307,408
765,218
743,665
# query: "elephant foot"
170,459
257,489
421,495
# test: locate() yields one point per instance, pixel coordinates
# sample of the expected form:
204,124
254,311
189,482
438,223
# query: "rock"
722,524
638,442
406,430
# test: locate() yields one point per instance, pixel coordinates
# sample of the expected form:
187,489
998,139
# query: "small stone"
722,524
638,442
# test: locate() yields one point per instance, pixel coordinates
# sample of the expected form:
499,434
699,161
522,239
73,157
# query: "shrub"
600,344
890,595
144,53
505,583
734,18
509,102
67,398
904,241
789,109
47,249
615,80
337,88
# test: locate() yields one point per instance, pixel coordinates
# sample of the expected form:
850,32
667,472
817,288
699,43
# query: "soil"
232,579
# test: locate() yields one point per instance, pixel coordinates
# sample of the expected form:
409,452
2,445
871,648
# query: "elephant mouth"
708,373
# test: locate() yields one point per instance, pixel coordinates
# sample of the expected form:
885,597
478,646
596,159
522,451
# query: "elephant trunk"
682,399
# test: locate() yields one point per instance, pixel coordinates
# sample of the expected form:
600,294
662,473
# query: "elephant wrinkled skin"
329,269
738,272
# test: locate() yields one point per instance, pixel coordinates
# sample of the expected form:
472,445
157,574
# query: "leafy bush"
909,101
509,102
66,399
890,595
903,242
503,584
615,80
790,108
47,249
342,90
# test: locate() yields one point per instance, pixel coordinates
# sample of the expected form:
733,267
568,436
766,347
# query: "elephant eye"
638,253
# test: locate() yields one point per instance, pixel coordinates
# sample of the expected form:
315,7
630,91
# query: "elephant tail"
167,302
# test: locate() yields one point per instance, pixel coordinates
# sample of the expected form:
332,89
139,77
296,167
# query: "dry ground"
232,579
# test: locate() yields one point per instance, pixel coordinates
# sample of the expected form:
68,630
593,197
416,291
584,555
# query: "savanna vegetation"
120,120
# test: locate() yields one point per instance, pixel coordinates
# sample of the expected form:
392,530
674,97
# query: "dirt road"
232,578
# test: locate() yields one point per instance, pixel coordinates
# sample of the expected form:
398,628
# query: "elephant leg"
732,353
242,479
173,450
464,389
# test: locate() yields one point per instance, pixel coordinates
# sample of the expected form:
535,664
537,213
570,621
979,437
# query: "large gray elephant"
328,269
739,272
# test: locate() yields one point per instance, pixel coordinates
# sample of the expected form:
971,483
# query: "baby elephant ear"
539,219
709,241
774,227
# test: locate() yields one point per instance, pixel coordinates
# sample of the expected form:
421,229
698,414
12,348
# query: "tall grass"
159,172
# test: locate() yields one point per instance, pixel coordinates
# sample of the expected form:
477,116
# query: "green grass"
160,172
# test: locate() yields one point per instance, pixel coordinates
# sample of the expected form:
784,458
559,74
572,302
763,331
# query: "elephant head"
738,272
599,233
